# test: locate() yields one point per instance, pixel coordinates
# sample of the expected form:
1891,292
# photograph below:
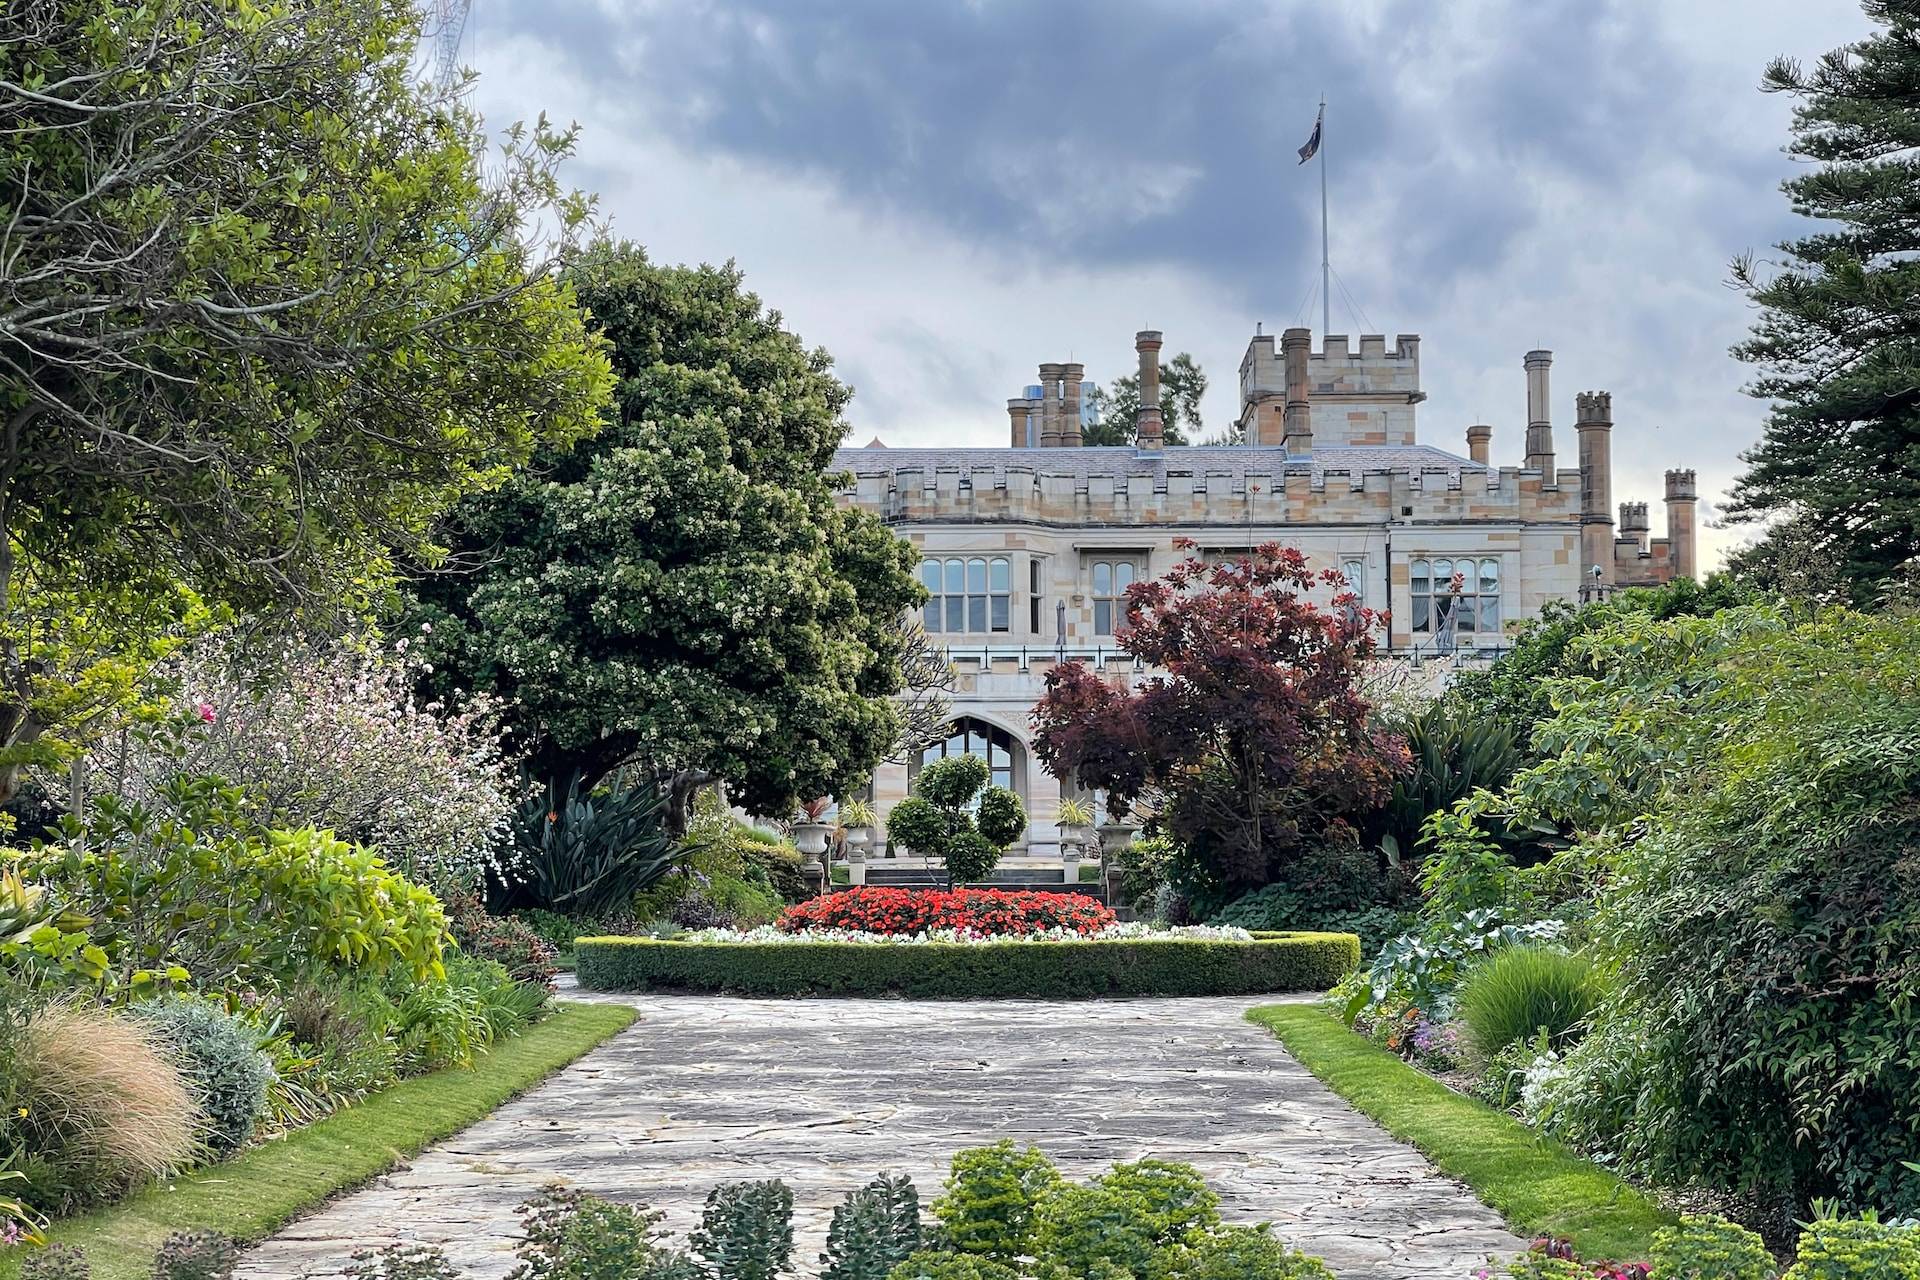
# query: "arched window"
972,593
969,737
1467,589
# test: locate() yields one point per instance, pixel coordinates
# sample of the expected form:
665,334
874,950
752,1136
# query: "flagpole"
1326,271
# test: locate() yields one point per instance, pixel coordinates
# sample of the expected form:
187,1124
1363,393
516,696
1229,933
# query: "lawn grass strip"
1540,1186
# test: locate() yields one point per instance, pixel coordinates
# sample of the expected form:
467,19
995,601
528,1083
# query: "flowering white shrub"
1131,931
335,737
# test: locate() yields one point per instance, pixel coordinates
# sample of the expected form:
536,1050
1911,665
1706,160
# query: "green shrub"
57,1262
1709,1248
1177,1199
1335,887
195,1255
591,851
1248,1253
571,1235
746,1230
192,880
873,1230
1520,991
992,1196
1093,1230
342,1054
1856,1249
221,1060
403,1262
935,823
509,942
1148,966
944,1265
1455,752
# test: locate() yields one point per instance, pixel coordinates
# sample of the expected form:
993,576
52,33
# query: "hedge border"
954,970
1538,1185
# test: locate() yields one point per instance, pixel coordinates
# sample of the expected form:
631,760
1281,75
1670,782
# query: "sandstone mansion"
1029,549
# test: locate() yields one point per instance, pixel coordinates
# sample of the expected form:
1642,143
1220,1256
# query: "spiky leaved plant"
746,1231
874,1230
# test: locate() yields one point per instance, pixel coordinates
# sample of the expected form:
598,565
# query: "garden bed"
1127,966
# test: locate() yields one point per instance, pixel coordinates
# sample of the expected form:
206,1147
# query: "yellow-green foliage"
1706,1247
1856,1249
993,1194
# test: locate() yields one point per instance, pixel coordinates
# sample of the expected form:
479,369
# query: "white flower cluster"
1134,932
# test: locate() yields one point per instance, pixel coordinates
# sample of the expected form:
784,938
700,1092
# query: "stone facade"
1028,548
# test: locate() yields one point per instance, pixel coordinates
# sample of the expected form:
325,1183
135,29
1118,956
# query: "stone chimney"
1017,411
1593,420
1296,345
1480,443
1539,414
1681,497
1050,429
1147,423
1633,525
1071,377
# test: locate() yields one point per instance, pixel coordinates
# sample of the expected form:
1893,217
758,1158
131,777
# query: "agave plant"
1453,755
1074,813
591,852
857,813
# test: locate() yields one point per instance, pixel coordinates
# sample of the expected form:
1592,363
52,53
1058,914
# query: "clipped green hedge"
1124,967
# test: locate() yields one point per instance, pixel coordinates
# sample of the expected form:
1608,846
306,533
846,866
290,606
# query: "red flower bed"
991,912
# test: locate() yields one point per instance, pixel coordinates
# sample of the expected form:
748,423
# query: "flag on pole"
1313,141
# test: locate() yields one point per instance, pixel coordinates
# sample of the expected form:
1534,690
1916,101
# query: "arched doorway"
967,736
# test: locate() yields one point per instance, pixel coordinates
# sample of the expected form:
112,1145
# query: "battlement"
1354,397
1681,487
1593,408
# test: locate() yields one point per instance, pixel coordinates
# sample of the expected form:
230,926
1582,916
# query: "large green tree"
261,322
682,593
1837,342
1182,384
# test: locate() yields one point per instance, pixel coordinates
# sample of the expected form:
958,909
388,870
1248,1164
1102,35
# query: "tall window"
966,737
1033,596
1111,578
1355,572
974,594
1475,607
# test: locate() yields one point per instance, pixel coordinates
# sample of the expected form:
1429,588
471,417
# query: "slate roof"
1236,460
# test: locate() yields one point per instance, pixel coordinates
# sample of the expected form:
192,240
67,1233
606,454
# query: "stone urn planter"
1115,837
858,838
810,838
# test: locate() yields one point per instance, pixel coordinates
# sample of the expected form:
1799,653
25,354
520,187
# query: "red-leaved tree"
1257,734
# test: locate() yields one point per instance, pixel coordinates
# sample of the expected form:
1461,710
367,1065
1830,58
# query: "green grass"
252,1196
1538,1185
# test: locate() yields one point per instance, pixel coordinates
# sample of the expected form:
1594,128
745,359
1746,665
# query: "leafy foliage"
873,1231
1856,1249
992,1197
746,1230
934,821
683,593
1766,765
220,1058
57,1262
1182,387
1454,753
1836,339
1336,887
1257,733
589,852
570,1235
1703,1247
195,1255
303,333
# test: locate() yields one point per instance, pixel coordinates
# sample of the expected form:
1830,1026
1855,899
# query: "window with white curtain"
1468,587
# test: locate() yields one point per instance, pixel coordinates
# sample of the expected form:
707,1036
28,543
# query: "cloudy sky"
945,194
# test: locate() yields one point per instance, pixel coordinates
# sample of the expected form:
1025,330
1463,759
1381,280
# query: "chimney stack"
1480,443
1633,525
1539,414
1050,428
1018,413
1295,346
1072,375
1147,423
1681,497
1593,420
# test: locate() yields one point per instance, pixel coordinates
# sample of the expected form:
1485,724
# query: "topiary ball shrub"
221,1059
935,822
196,1255
1706,1247
1521,991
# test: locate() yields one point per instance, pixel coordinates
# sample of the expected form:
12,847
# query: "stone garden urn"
810,838
858,838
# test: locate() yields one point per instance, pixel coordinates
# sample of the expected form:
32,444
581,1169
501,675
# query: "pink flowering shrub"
335,737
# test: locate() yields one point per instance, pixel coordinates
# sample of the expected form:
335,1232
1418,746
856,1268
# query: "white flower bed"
1130,932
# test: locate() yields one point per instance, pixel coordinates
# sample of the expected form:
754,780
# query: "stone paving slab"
827,1093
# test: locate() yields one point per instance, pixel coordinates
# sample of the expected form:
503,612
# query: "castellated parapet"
1358,397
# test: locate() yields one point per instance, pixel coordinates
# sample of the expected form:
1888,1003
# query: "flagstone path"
827,1093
